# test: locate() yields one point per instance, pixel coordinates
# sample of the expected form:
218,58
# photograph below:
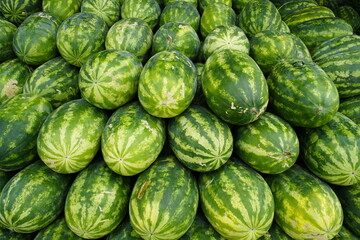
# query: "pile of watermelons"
193,119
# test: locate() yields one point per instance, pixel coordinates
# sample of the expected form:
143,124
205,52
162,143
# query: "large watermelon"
57,230
33,198
6,39
109,11
350,107
70,136
63,9
164,200
147,10
16,11
20,120
306,207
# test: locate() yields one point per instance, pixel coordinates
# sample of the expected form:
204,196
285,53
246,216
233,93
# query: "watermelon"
175,36
167,84
147,10
16,11
80,36
56,81
13,75
132,139
345,234
275,233
20,120
6,39
307,14
225,37
70,136
109,11
234,87
40,186
302,94
164,200
97,201
237,201
257,16
350,107
180,11
6,234
132,35
4,178
204,3
63,9
109,79
216,15
332,152
124,231
57,230
291,6
306,207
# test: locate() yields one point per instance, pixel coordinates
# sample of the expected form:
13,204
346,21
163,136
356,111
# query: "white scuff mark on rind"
182,90
170,99
58,91
182,26
147,126
232,105
100,209
105,220
107,192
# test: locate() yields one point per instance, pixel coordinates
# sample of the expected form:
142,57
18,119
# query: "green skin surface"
306,14
345,234
275,233
17,11
124,232
350,107
63,9
194,3
38,184
164,200
20,128
306,207
292,6
97,201
109,11
6,38
6,234
4,178
204,3
57,230
350,15
56,80
147,10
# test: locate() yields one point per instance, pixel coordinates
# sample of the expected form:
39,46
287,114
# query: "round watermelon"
16,11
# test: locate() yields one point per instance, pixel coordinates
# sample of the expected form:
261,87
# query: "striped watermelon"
234,86
225,37
6,234
291,6
63,9
164,200
307,14
269,145
109,79
180,11
80,36
175,36
306,207
275,233
345,234
350,107
132,139
167,84
20,121
124,232
109,11
56,80
57,230
147,10
70,136
200,140
16,11
216,15
237,201
350,15
97,201
257,16
132,35
332,152
13,75
33,198
4,178
204,3
6,39
302,93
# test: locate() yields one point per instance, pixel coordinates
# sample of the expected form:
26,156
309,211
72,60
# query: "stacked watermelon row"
162,119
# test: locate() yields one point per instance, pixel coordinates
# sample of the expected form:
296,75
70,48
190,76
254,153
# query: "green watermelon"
175,36
257,16
306,207
56,80
132,35
164,200
80,36
109,11
13,75
147,10
16,11
291,6
350,107
6,234
70,136
306,14
302,94
275,233
345,234
124,231
237,201
109,79
234,86
4,178
20,121
33,198
167,84
225,37
97,201
180,11
204,3
63,9
216,15
6,40
57,230
332,152
132,139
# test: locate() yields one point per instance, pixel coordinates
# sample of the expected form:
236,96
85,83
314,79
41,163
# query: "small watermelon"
16,11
